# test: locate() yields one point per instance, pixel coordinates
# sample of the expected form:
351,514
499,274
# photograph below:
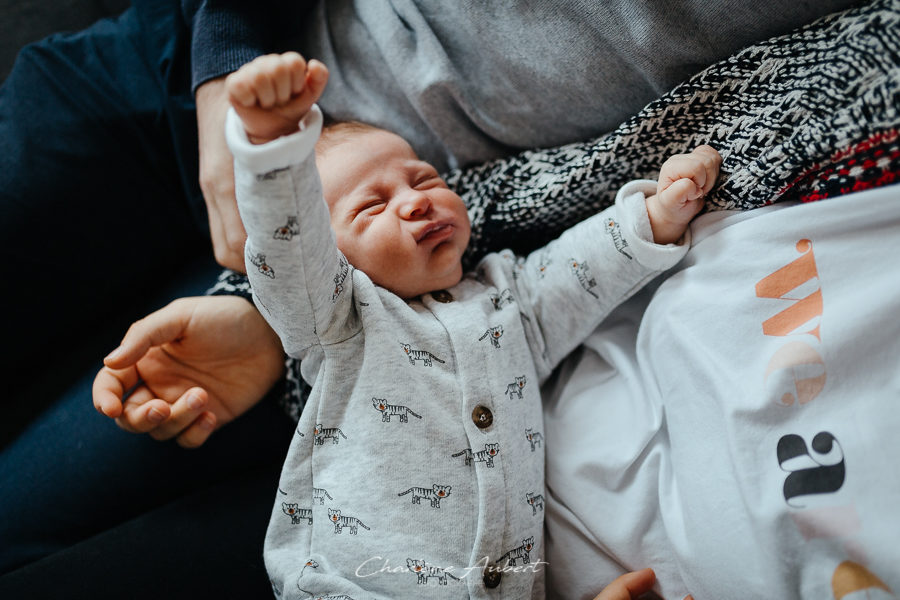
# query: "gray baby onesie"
417,466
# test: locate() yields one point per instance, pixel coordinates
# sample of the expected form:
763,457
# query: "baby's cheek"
383,261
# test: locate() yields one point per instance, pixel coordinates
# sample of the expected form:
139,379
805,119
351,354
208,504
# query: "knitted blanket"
805,116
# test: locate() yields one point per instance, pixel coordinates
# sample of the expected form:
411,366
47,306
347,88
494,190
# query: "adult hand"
629,586
637,585
190,367
217,176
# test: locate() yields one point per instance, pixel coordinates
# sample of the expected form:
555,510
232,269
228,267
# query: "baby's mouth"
435,231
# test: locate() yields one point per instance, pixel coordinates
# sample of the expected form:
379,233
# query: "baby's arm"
300,281
272,93
683,182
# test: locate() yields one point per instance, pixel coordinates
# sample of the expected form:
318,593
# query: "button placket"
492,578
486,460
482,416
442,296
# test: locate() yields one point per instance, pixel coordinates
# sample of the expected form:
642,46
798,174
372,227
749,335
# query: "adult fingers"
183,412
227,238
142,411
159,327
216,229
629,585
109,388
198,432
217,173
225,226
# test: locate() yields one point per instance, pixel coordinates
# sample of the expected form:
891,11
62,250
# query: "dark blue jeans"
99,200
101,513
102,221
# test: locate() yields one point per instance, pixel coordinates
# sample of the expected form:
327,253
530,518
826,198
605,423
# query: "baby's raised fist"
684,180
272,93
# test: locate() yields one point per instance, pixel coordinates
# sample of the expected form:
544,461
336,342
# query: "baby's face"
394,217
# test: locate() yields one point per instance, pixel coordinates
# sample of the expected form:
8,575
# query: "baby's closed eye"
369,207
428,178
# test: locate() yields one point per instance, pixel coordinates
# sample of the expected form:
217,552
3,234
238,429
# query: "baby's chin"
414,289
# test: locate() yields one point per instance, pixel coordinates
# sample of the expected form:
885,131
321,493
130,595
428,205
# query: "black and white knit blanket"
808,115
804,116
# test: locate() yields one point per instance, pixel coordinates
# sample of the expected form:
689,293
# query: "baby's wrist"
256,140
258,133
665,229
278,153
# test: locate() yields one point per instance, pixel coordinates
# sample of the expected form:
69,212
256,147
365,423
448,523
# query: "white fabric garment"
740,434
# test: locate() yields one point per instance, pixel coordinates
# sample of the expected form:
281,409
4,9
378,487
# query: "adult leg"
205,545
98,204
72,474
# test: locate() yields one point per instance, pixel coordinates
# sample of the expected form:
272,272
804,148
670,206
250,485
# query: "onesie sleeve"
570,285
300,281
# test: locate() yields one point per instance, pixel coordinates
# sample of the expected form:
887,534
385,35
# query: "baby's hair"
334,132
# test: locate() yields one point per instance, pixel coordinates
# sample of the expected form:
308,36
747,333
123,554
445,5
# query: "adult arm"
224,35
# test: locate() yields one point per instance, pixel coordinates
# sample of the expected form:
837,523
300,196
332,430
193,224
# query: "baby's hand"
683,182
272,93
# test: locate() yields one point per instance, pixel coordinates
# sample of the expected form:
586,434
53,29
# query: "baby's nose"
414,204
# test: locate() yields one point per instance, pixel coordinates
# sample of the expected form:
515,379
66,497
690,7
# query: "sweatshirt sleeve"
301,282
574,282
225,34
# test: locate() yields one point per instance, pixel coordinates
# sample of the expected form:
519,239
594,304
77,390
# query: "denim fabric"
102,222
98,195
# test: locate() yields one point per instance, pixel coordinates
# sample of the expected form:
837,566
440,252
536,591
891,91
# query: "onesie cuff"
631,209
280,153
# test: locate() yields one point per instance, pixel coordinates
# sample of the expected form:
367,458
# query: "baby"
417,466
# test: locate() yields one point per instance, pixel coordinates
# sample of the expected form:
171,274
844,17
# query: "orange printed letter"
788,278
